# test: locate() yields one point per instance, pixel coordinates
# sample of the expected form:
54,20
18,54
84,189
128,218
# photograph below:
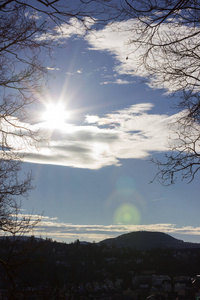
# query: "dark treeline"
40,265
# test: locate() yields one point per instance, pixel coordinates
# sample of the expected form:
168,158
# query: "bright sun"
55,116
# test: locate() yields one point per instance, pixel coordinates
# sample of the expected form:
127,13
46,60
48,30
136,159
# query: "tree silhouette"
23,76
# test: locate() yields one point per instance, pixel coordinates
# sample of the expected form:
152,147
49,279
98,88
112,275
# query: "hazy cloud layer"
131,133
61,231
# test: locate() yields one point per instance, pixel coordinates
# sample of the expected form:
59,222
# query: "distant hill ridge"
143,240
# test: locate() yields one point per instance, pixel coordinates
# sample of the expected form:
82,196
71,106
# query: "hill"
143,240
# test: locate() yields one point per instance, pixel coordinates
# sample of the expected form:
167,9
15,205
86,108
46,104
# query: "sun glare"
55,116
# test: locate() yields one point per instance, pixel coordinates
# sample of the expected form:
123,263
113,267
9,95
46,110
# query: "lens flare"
127,214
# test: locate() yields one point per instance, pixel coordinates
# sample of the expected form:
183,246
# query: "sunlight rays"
55,116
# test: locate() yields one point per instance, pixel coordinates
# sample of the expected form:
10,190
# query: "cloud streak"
61,231
117,81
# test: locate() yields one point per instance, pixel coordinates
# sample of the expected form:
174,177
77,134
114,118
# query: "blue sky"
92,176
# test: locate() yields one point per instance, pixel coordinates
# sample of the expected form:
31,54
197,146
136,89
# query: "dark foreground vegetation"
42,269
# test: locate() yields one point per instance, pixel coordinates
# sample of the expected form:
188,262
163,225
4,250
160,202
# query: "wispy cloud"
117,81
61,231
52,69
65,31
74,73
130,133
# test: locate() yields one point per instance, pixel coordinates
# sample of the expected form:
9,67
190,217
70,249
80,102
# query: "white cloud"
52,69
131,133
91,119
116,38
